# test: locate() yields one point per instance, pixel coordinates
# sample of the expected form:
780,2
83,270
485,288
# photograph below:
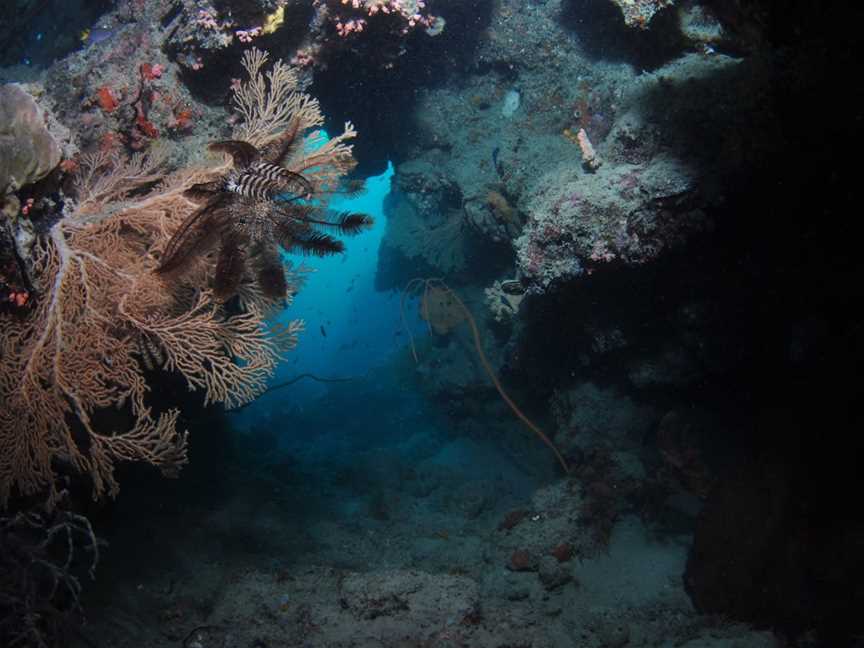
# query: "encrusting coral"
28,152
73,368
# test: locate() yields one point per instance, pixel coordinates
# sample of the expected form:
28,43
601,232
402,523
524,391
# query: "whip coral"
443,310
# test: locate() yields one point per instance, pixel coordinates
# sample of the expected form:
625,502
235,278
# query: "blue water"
350,327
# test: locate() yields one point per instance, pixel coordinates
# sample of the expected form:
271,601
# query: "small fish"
323,332
96,35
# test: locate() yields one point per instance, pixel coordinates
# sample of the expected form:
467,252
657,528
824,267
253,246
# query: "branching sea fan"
124,286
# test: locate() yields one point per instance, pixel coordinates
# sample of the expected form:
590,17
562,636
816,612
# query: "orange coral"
146,127
69,165
182,119
106,99
110,141
150,72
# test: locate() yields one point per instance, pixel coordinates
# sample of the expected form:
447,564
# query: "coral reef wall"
630,222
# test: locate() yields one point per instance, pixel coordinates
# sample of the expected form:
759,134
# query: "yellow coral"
274,21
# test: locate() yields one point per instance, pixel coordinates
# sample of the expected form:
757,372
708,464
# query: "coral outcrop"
28,152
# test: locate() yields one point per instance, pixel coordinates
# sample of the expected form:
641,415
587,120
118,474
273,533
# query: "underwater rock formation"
638,13
636,264
625,212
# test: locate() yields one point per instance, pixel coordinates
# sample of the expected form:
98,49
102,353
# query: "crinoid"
255,208
274,190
